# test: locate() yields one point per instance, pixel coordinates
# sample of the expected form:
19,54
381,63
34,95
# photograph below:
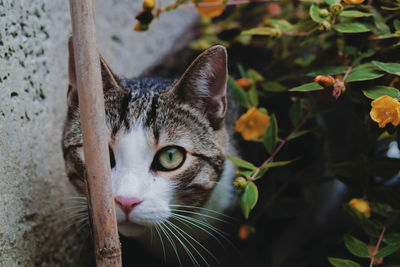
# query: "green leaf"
314,14
331,2
367,54
238,93
260,31
307,87
392,238
392,68
343,262
278,163
382,28
241,70
396,24
388,250
274,87
261,172
351,27
248,199
370,227
388,36
270,137
298,134
381,209
254,75
363,74
379,90
356,247
284,25
329,70
253,96
354,14
245,173
295,112
241,163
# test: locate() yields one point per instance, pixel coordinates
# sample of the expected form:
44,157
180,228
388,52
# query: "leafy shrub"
318,83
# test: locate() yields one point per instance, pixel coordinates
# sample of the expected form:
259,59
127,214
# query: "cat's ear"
110,81
203,85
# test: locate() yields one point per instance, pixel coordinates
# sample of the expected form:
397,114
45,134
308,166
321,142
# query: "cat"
168,142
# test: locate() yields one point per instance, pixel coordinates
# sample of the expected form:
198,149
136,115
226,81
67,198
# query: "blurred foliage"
310,71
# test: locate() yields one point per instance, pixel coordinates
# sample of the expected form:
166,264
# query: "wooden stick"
95,135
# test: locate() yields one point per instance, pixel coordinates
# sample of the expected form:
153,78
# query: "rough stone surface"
33,82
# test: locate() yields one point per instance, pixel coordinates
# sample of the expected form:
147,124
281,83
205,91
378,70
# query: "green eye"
169,158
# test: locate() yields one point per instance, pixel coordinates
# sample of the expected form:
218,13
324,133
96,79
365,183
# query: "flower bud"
375,261
325,80
244,83
274,9
149,4
276,33
353,2
244,231
324,26
323,12
336,8
240,182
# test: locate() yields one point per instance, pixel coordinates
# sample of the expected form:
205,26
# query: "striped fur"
144,115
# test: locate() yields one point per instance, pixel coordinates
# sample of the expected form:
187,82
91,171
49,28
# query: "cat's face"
167,141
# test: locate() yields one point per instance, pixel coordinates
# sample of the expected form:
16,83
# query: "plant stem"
209,4
279,147
377,246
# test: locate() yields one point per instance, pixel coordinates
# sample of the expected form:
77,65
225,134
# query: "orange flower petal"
385,109
252,124
362,206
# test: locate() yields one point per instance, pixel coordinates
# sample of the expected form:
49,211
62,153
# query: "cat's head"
167,140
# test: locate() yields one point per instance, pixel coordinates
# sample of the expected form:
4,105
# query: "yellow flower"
210,8
385,109
362,206
252,124
353,2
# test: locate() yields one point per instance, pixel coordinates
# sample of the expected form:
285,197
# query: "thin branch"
377,246
209,4
279,147
94,131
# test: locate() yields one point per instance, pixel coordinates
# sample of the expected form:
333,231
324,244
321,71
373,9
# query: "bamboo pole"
97,163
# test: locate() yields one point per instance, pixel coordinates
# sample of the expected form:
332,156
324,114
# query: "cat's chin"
130,229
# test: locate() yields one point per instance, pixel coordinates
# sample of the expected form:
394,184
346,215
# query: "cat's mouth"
129,228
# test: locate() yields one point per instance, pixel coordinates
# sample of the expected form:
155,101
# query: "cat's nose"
127,203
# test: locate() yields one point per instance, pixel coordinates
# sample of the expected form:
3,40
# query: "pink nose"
127,203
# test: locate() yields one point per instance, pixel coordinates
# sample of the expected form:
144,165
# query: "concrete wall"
33,84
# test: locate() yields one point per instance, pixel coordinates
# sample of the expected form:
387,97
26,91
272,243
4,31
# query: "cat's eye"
112,157
169,158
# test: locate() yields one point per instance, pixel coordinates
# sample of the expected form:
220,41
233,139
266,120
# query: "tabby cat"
168,142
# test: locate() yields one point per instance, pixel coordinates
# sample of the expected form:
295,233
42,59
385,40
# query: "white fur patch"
132,177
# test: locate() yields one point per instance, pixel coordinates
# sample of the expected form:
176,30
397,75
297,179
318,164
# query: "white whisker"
183,220
188,252
162,243
201,208
200,214
171,241
197,242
